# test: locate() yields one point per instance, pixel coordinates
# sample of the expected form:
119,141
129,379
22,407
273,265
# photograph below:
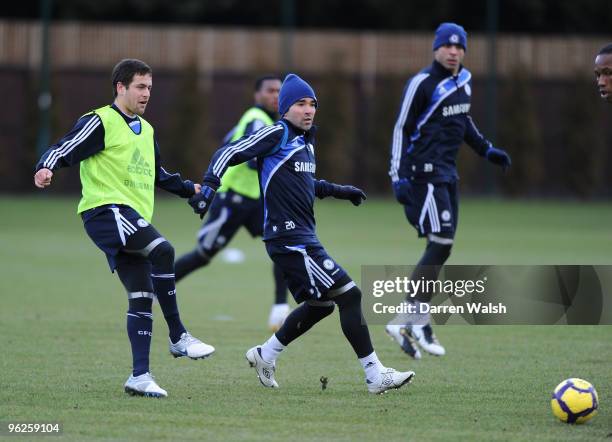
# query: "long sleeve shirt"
433,121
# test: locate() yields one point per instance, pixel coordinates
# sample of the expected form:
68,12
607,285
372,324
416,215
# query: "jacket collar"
307,133
439,70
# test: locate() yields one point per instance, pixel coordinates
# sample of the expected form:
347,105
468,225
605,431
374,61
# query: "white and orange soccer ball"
574,401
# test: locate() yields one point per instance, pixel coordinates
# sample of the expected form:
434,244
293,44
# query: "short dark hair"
124,72
259,82
607,49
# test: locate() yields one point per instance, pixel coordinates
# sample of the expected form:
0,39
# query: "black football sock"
139,329
428,267
353,323
188,263
300,320
162,276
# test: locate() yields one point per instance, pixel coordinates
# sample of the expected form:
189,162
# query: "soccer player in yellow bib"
120,168
238,202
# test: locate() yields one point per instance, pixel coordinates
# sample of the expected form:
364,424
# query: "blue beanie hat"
293,89
450,33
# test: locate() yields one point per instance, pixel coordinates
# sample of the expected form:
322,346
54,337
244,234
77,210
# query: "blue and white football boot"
191,347
400,334
425,337
265,370
389,379
144,385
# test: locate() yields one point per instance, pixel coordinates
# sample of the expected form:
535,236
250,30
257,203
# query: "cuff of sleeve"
322,189
488,148
212,181
189,188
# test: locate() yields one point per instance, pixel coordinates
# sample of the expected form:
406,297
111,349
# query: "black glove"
323,189
499,157
351,193
201,201
402,189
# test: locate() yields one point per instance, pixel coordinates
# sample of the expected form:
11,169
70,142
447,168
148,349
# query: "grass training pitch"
65,352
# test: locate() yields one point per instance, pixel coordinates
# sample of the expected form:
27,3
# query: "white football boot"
278,314
191,347
425,337
388,379
265,370
144,385
407,343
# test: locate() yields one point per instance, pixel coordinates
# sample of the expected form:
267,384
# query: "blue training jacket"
286,166
434,120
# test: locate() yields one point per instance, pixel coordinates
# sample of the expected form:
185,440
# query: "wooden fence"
90,45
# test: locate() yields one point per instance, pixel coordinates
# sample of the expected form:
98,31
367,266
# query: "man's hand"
499,157
351,193
402,189
323,189
42,178
197,187
201,201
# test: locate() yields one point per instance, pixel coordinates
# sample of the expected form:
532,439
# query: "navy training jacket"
434,120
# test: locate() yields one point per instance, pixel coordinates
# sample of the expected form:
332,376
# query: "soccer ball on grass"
574,401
